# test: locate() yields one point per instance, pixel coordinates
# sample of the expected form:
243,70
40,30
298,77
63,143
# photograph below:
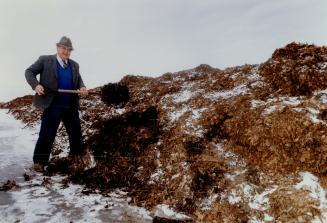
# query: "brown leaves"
9,185
295,207
296,69
150,149
282,140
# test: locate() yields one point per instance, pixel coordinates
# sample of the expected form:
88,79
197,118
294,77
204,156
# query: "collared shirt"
61,62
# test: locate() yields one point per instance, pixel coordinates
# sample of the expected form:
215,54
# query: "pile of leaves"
209,142
21,109
122,145
297,69
114,94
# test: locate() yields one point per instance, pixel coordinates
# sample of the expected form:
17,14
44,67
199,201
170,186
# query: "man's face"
63,52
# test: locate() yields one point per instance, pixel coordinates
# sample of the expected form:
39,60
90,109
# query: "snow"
280,102
254,76
311,183
293,101
247,192
267,217
236,91
297,109
164,211
234,160
194,114
191,127
324,92
183,96
255,79
323,98
256,103
277,104
57,204
261,201
92,163
207,202
313,115
190,74
233,197
322,67
174,116
269,110
17,145
156,175
185,166
120,111
186,93
175,176
232,176
235,75
244,192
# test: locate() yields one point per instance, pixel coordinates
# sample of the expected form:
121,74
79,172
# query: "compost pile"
21,108
297,69
218,145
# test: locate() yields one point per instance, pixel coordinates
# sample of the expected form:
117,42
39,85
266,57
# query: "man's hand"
39,89
83,91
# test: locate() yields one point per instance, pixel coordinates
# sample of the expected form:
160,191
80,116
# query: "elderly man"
56,72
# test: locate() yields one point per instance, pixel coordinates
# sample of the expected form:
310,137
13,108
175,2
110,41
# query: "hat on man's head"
65,42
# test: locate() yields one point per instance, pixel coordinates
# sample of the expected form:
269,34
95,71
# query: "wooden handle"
76,91
69,91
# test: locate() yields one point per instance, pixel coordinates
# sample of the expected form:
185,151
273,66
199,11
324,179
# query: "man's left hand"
83,91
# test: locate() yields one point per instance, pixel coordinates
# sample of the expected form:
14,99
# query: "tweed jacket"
46,67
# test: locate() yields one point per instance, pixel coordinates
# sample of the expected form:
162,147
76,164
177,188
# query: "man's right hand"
39,89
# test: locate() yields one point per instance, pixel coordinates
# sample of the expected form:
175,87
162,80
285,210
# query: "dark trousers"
50,120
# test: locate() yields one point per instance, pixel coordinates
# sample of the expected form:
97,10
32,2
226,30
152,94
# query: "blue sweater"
65,81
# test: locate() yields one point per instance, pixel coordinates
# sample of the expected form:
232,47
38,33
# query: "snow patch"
174,116
55,203
261,201
313,115
120,111
207,202
238,90
233,197
254,76
311,183
270,110
92,162
17,144
292,101
191,127
184,96
234,160
164,211
156,175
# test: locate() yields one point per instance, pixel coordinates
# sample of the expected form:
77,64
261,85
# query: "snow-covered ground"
34,201
16,147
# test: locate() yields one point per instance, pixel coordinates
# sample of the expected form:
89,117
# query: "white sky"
113,38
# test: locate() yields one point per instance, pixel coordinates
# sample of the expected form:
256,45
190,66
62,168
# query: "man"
56,72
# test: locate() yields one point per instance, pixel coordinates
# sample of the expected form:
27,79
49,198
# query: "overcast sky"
113,38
